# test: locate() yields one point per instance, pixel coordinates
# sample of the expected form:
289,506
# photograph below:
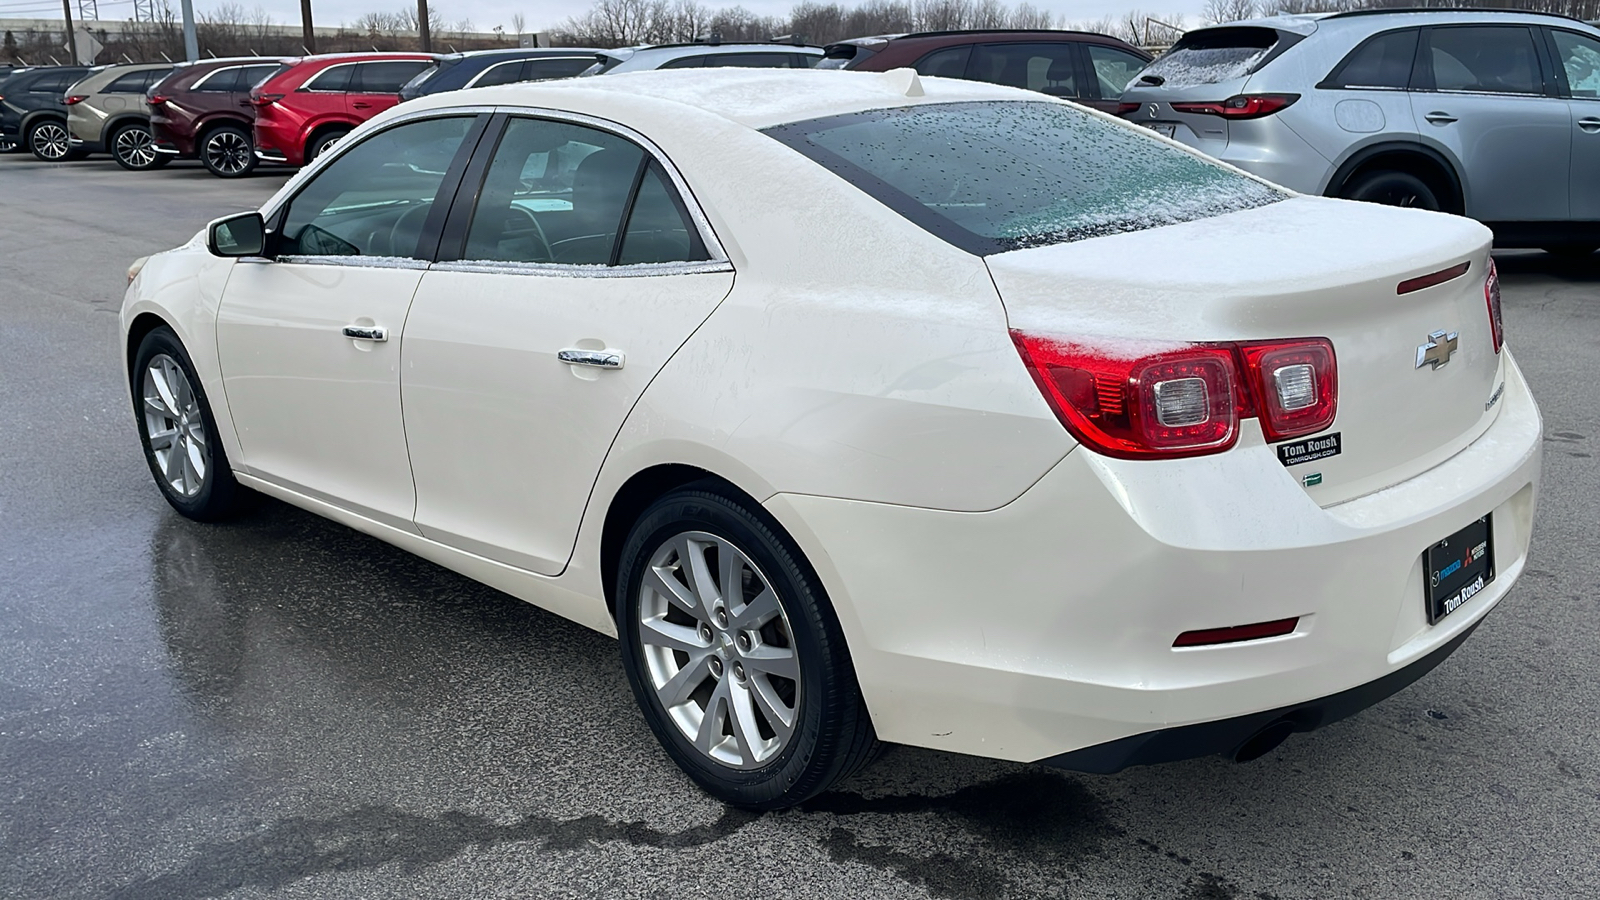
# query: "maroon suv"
1075,65
203,110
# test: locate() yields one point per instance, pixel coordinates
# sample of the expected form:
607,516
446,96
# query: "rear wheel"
735,655
1392,188
323,142
228,152
178,432
48,141
133,149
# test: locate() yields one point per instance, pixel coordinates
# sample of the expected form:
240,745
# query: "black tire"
1392,188
832,737
320,142
133,148
218,495
228,151
48,141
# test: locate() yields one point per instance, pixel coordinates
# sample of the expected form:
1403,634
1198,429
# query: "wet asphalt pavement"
280,707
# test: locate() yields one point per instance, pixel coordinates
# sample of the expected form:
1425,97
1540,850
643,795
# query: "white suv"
1489,114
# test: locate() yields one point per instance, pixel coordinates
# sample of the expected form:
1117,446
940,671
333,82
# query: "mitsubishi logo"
1438,349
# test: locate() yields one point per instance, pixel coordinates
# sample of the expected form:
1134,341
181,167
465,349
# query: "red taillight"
1491,296
1256,632
265,99
1296,385
75,99
1125,107
1241,106
1181,402
158,99
1161,403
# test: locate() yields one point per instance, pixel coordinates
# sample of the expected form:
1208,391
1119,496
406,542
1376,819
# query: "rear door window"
1112,68
1046,68
501,73
386,77
751,60
542,69
53,82
1580,61
951,62
1483,59
134,82
250,76
221,81
1212,55
1383,62
1032,173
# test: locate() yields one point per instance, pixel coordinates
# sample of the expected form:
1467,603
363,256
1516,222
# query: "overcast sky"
542,14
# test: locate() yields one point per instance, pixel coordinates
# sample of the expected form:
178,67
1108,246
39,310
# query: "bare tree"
1227,11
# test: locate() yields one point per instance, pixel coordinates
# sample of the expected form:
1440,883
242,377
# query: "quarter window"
221,81
559,193
334,79
1484,59
541,69
1580,60
951,62
135,82
1383,62
374,199
1113,69
1047,68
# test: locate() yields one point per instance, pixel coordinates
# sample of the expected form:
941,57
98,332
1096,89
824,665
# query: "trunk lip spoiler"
1412,285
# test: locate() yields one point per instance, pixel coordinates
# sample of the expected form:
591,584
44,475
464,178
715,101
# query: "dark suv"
482,68
33,111
1091,69
203,110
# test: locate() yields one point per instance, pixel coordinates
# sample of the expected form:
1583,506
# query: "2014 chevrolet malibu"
867,407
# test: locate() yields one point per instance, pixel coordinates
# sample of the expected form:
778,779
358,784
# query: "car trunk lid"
1303,267
1208,65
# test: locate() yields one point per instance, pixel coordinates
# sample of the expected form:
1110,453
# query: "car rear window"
1212,55
995,176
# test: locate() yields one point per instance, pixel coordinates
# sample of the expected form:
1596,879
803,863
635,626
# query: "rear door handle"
360,104
1591,124
600,359
366,332
1439,118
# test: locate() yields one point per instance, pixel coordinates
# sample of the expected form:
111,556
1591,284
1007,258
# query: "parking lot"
281,707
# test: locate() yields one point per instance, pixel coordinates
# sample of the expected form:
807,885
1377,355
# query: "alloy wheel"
227,153
176,429
49,141
718,650
326,145
135,148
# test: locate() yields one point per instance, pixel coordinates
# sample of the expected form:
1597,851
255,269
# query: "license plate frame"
1455,569
1165,129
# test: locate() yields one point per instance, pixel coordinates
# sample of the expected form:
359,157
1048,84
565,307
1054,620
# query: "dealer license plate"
1165,129
1458,567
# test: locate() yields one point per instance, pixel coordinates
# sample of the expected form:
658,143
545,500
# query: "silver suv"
1493,115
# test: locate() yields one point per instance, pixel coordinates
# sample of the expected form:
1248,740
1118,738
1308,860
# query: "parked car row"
232,114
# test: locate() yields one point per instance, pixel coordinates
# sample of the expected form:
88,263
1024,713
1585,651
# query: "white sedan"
865,407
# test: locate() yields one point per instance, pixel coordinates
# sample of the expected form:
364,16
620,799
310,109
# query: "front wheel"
134,150
48,141
178,432
1392,188
228,152
735,655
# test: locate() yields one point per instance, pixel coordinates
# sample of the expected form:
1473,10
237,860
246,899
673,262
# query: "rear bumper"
1047,626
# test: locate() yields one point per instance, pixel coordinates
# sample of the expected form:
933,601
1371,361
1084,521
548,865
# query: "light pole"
191,44
72,39
422,26
308,34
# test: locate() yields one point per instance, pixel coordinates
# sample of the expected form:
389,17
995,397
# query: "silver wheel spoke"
678,688
779,716
779,661
158,377
195,463
746,733
174,427
162,440
661,581
711,724
757,612
661,633
692,563
731,562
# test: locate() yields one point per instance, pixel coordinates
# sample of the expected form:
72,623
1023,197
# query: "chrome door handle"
1591,124
600,359
366,332
1439,118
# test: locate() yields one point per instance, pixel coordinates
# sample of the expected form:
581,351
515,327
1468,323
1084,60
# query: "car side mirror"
242,235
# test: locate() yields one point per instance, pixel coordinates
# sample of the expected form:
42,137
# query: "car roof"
525,51
755,97
675,51
1306,23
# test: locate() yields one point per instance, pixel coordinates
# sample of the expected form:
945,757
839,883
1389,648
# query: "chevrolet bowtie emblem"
1438,349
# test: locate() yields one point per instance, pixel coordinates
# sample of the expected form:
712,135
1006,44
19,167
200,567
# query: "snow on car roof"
756,98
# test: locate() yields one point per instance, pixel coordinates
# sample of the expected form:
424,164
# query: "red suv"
203,110
1091,69
307,106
